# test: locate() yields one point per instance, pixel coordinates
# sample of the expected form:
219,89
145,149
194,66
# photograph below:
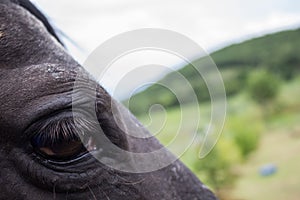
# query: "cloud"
210,23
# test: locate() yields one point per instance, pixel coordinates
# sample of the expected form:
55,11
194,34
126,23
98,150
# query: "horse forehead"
24,39
12,15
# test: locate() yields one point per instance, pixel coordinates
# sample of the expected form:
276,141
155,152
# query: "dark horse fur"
33,98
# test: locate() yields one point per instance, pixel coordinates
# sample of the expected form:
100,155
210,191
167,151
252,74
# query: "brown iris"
64,149
61,148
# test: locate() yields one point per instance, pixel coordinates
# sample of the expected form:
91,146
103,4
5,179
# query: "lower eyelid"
50,173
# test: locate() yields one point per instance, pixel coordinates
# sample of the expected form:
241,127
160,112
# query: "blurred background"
256,46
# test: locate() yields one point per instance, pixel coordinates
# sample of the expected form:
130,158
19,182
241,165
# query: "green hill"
278,53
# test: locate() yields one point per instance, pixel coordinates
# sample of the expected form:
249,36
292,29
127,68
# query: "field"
279,143
280,147
262,79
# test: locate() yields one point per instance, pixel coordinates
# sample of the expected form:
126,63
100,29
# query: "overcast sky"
210,23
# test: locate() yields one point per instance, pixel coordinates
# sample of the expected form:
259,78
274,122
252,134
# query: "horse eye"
63,138
61,148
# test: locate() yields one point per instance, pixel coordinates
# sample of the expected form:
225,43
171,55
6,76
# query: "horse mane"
39,15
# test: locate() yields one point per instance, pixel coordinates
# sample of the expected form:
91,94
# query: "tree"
263,86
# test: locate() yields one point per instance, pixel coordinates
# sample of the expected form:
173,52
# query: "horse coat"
41,156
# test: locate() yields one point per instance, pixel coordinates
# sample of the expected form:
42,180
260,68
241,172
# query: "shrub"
216,169
263,86
245,131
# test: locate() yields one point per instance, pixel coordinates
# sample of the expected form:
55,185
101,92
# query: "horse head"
52,112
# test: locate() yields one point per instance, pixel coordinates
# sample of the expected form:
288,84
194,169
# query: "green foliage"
240,138
263,86
278,52
217,167
245,131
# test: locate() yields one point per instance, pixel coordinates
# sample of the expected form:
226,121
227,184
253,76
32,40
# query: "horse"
42,155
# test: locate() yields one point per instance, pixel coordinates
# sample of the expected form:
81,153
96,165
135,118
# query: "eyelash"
56,132
63,132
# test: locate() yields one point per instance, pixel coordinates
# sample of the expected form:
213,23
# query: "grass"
177,127
282,149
